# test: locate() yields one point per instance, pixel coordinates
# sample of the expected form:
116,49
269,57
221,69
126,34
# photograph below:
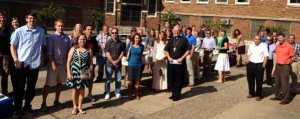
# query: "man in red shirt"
284,57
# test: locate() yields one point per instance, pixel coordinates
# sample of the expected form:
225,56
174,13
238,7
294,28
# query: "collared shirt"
114,49
297,51
191,39
284,53
58,46
198,45
257,53
102,39
209,43
271,51
28,43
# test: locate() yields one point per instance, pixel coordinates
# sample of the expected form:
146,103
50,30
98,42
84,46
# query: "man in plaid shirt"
102,38
294,74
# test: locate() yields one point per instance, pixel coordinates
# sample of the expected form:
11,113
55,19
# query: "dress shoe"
171,97
175,99
249,96
284,102
258,98
275,99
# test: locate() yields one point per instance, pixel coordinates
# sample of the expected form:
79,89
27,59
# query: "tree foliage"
171,17
216,26
48,13
97,18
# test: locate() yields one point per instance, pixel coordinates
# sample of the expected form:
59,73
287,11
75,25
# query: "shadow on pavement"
198,91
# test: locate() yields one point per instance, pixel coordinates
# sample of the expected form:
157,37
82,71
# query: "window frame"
185,1
154,15
114,5
200,2
292,4
242,3
216,2
169,1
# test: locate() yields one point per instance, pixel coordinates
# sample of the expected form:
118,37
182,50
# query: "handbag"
85,74
128,53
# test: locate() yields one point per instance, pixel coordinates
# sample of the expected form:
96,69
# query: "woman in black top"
222,64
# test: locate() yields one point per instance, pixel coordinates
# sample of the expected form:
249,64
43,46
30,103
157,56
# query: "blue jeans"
118,76
101,62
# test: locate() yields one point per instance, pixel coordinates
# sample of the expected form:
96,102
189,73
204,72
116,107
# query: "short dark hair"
115,29
87,25
58,20
31,13
2,13
189,28
224,32
281,34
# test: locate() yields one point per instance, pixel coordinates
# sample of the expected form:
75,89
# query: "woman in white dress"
160,66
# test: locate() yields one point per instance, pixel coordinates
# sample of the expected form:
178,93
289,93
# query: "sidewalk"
206,100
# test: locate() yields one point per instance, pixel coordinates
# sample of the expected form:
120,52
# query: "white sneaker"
107,96
118,95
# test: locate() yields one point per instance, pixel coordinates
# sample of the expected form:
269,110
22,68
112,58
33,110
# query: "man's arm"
265,61
13,50
169,57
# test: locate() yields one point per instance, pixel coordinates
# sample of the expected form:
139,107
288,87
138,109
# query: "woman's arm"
69,60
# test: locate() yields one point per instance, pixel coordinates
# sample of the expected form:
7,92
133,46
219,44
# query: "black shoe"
18,114
58,104
30,112
175,99
171,97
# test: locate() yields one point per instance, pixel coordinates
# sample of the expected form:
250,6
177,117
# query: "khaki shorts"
59,76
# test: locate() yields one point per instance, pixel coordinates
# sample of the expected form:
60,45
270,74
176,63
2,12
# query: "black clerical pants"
177,77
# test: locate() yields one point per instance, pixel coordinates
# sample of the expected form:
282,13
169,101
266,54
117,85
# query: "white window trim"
111,13
292,4
155,9
168,1
216,2
242,3
185,1
200,2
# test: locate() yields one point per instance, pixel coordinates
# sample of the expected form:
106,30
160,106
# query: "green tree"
216,26
171,17
97,18
48,13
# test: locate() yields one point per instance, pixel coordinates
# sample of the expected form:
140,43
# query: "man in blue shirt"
57,70
190,58
26,45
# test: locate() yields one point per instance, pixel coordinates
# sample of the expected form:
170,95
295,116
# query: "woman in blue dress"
73,69
135,51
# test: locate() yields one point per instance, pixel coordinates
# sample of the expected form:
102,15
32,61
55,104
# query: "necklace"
176,43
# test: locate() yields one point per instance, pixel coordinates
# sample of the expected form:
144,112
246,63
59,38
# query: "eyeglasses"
114,32
269,39
208,33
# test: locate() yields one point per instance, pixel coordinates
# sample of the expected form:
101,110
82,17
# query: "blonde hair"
74,34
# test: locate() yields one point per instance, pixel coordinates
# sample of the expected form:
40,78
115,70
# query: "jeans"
101,62
118,76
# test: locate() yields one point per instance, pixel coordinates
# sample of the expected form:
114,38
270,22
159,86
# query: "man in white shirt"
257,60
209,44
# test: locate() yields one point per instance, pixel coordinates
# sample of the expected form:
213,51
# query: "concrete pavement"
206,100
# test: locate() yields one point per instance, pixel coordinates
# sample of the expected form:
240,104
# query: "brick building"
74,11
245,15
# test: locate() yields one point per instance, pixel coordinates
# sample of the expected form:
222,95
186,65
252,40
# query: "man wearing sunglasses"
208,45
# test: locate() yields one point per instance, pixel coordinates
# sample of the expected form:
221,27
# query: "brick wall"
295,29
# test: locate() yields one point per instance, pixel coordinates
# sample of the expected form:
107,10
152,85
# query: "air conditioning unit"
225,21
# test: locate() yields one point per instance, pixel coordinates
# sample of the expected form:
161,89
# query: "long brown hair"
133,41
164,39
77,44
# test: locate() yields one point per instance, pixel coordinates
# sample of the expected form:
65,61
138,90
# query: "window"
109,6
152,7
242,1
170,1
185,20
256,27
293,2
185,1
284,25
202,1
221,1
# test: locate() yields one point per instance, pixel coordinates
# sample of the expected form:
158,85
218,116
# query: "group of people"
173,58
279,57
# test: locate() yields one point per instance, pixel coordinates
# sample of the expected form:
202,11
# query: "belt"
256,63
283,64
